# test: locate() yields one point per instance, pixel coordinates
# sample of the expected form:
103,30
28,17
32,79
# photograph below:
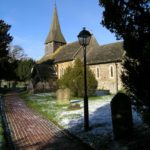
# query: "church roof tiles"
55,33
106,53
95,54
67,52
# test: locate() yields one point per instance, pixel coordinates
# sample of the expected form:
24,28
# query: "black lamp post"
84,38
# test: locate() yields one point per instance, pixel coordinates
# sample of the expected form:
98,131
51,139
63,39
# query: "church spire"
55,34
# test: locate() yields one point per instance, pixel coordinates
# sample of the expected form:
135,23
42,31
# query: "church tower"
55,38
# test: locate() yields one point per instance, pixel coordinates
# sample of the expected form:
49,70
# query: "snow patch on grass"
73,120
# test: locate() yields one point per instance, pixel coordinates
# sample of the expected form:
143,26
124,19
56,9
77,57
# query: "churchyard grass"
72,120
103,98
100,134
46,104
93,97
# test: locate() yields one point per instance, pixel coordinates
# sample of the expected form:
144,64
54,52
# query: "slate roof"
106,53
55,33
45,58
96,54
74,50
67,52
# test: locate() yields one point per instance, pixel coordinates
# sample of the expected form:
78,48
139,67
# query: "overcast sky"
31,19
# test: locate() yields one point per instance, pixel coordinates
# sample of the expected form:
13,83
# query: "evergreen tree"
129,20
5,40
20,64
73,79
23,69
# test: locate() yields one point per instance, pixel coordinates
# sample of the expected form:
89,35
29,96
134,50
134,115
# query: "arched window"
111,71
97,72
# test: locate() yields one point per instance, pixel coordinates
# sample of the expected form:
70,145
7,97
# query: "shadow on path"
29,130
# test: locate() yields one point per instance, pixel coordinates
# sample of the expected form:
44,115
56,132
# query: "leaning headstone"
63,96
121,116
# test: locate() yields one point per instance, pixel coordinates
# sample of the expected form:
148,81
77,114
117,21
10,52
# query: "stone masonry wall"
61,67
108,77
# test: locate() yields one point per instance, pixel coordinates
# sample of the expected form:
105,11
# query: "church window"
111,71
97,72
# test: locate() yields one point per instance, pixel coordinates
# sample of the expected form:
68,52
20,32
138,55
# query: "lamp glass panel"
84,41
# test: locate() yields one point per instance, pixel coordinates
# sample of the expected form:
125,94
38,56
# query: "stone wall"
108,76
61,67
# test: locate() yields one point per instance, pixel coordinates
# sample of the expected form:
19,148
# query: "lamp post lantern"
84,38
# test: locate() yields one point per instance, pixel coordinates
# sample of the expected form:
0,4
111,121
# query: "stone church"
103,60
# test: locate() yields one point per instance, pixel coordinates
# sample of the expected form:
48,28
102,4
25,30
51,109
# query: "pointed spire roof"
55,33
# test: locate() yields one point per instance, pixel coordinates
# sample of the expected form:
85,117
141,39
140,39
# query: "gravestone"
63,96
30,86
121,116
39,87
47,87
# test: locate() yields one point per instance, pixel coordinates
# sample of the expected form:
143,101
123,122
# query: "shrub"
73,79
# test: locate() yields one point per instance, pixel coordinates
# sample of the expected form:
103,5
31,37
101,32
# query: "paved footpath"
31,131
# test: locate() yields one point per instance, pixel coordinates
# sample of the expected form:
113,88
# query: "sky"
30,22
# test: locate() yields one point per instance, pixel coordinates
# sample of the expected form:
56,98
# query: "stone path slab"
30,131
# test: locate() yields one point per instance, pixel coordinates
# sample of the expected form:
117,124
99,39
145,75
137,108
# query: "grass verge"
46,105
